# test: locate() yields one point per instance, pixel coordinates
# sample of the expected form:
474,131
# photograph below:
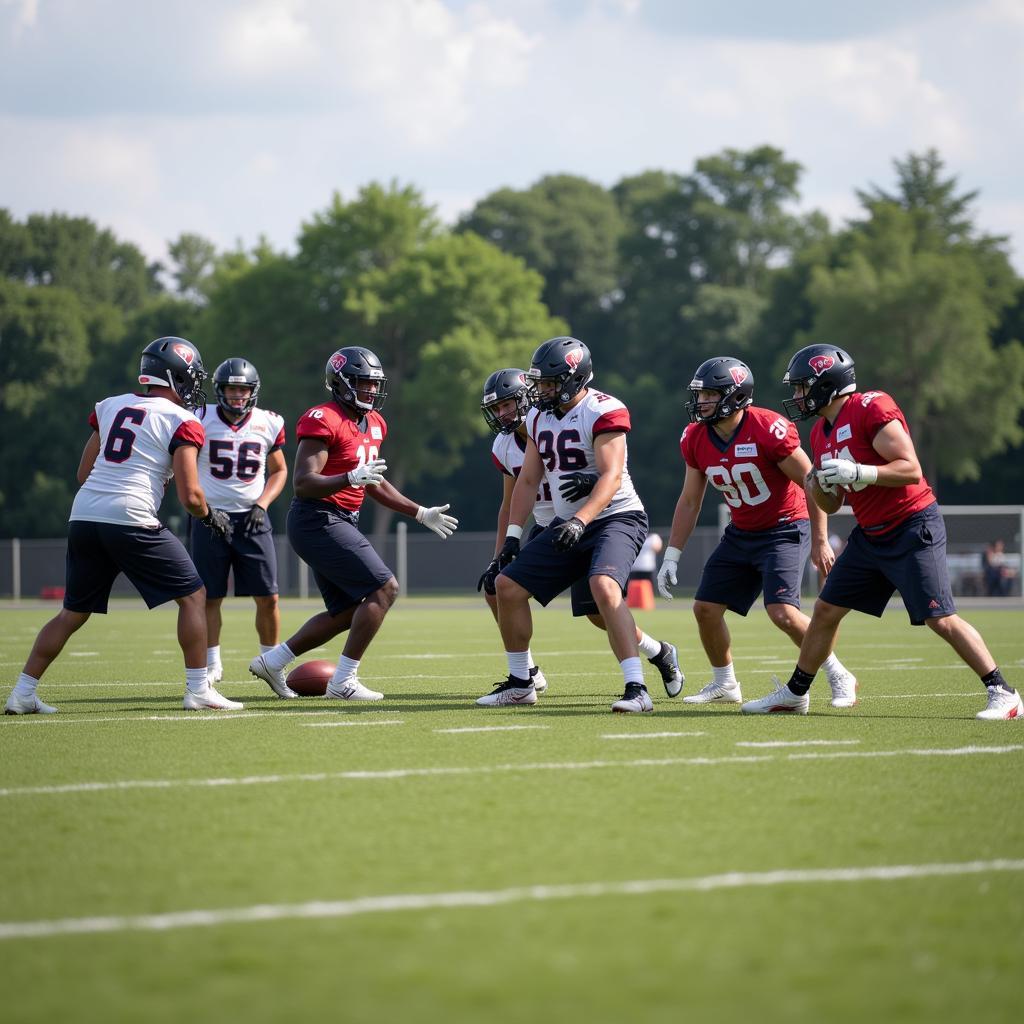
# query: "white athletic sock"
26,685
278,657
266,647
347,668
632,670
519,663
213,656
529,655
724,676
195,679
833,667
649,647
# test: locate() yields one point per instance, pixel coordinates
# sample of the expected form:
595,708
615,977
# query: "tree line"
655,274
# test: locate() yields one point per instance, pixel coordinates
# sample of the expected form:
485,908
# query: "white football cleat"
209,699
635,700
214,674
844,690
27,706
273,677
509,692
716,693
540,684
351,689
1002,705
782,700
666,661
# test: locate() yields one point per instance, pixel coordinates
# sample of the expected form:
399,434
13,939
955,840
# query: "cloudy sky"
236,118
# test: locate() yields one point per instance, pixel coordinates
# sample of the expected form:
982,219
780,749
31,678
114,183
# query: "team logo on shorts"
738,373
819,364
185,353
338,360
572,359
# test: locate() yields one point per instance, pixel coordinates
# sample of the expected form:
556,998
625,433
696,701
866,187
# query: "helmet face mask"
506,400
730,378
822,373
565,367
236,372
175,363
355,377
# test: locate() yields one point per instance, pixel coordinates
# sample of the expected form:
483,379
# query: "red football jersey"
876,509
349,444
746,468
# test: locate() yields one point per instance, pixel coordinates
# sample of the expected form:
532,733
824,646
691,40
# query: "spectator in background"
998,576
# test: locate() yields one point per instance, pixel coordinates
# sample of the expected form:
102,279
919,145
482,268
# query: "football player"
242,469
337,465
862,453
572,429
753,457
505,403
137,443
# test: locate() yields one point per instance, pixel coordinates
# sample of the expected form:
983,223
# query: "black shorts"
749,562
582,599
154,560
608,547
345,566
251,557
911,559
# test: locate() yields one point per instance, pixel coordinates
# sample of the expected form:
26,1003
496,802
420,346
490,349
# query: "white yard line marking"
795,743
412,773
320,909
181,716
646,735
83,654
493,728
338,725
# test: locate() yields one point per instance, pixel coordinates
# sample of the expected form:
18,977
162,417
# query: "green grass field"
427,860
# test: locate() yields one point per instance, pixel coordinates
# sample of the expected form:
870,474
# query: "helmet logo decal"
338,360
819,364
184,352
572,359
738,373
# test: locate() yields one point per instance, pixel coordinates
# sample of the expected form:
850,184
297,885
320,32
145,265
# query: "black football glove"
509,552
254,520
486,582
219,523
567,534
576,485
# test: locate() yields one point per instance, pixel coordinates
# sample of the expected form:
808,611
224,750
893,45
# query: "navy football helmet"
236,371
733,381
500,387
175,363
346,369
565,360
826,372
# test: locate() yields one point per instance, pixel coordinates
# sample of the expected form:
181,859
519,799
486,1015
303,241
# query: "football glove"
254,520
368,475
667,572
567,534
509,552
576,485
434,518
218,522
486,582
843,472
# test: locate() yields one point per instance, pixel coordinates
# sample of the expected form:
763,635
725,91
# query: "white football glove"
843,472
368,475
434,518
667,572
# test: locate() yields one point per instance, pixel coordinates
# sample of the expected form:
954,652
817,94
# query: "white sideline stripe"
494,728
795,743
338,725
181,716
411,773
646,735
320,909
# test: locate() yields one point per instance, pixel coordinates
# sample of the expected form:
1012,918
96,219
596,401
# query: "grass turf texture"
912,949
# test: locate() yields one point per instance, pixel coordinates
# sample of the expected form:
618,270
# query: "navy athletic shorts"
154,560
910,558
582,599
345,566
251,557
608,547
749,562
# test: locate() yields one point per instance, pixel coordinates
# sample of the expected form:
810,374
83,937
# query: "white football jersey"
233,462
138,437
566,445
508,452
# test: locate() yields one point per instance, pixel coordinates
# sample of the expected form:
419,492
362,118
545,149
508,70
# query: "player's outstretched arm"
432,517
684,519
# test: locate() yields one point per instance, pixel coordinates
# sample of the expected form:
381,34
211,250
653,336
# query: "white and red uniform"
566,445
745,468
876,509
508,452
349,444
233,461
138,437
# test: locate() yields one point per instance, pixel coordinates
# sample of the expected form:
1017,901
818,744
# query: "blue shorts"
608,547
911,559
154,560
251,557
749,562
582,599
345,566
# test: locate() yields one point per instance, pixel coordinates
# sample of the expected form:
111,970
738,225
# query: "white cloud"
267,37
